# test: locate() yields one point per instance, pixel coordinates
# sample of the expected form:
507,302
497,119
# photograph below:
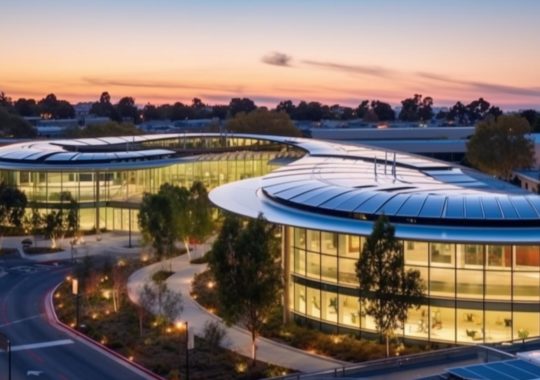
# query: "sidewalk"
238,339
92,245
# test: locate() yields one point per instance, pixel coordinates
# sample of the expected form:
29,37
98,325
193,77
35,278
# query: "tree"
127,110
5,101
56,109
111,128
34,223
155,222
533,118
362,109
26,107
72,222
158,299
477,110
416,108
173,305
409,108
501,145
14,126
53,226
145,304
262,121
164,218
104,107
238,105
286,106
245,265
119,276
150,112
458,114
12,206
199,215
383,111
387,290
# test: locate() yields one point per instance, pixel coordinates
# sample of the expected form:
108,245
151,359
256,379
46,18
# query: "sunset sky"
330,51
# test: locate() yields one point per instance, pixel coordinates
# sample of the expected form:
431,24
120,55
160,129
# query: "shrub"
214,334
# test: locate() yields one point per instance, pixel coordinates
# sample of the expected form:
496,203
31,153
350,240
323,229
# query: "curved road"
42,349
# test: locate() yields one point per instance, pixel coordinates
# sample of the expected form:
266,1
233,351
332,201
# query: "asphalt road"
40,349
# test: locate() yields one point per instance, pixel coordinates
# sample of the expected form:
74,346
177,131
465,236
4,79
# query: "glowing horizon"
166,51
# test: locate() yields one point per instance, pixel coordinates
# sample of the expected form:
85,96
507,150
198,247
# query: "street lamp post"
75,291
181,325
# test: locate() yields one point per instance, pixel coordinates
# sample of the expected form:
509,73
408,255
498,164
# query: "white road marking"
33,373
21,320
33,346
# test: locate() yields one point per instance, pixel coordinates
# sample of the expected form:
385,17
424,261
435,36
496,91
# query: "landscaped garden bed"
41,250
160,347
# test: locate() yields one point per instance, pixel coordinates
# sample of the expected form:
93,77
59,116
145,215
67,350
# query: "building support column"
98,229
285,264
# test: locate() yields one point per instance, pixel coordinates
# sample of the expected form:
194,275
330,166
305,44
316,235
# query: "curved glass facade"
110,198
475,292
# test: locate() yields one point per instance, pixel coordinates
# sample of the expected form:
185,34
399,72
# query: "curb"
51,314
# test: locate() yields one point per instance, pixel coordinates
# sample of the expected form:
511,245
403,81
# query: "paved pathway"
238,339
92,245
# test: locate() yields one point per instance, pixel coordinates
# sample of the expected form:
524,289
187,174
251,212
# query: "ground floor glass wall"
105,197
476,292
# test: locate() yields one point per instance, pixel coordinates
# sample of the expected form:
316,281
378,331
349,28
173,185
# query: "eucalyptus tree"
245,264
387,289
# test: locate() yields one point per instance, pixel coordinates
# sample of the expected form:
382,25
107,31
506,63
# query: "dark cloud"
482,86
277,59
377,71
159,84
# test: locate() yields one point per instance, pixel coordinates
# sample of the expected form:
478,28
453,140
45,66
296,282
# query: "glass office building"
108,176
475,240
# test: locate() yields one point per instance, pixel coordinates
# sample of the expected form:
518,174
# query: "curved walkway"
238,339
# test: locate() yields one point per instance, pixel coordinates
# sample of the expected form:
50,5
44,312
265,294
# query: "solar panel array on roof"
360,186
516,369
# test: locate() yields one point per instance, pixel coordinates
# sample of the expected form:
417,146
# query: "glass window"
415,252
470,283
499,256
313,265
473,254
349,311
417,322
313,303
330,306
498,284
299,261
526,286
347,271
313,240
470,325
342,244
442,254
442,323
442,282
329,268
300,238
352,246
527,257
300,298
498,326
525,325
329,242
